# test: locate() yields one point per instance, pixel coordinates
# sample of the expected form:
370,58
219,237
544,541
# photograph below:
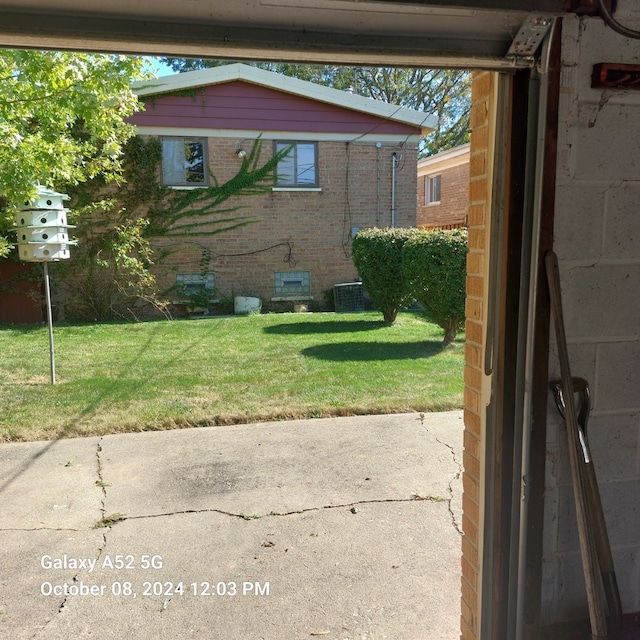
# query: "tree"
62,120
445,93
434,264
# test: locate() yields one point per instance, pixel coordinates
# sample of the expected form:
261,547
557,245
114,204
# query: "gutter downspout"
394,164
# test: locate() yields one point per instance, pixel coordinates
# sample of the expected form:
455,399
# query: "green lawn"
168,374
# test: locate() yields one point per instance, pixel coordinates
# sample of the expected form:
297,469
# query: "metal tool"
588,553
594,503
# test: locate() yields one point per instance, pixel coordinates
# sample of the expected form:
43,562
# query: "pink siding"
240,105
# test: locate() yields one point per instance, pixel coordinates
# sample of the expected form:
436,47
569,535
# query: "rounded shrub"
435,269
377,255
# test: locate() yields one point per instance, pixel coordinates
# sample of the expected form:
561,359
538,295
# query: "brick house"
353,165
443,189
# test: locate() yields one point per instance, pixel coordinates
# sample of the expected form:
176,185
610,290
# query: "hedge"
435,269
377,255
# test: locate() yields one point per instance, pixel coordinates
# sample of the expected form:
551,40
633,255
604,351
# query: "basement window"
292,282
190,284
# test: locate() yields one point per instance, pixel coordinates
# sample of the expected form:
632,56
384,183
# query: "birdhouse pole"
43,236
47,292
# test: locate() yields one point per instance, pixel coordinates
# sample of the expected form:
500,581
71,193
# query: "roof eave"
229,73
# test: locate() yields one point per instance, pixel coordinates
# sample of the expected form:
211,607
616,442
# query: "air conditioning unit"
348,297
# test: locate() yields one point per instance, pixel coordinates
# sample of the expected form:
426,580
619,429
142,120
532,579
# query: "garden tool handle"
594,503
588,552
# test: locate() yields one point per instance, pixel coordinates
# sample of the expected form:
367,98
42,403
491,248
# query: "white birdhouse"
45,199
42,228
42,218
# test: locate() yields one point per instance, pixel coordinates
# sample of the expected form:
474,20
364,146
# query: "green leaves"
377,255
62,118
398,266
435,265
183,213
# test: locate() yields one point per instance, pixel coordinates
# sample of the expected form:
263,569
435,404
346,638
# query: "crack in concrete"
455,524
103,502
100,481
40,529
64,601
277,514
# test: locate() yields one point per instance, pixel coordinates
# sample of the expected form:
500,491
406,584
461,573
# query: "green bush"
435,269
377,255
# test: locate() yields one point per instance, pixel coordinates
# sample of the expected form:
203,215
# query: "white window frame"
291,169
292,283
433,189
175,165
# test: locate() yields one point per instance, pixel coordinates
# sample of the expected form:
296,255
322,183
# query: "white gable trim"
294,86
245,134
444,160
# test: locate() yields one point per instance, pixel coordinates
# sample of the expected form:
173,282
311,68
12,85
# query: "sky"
158,68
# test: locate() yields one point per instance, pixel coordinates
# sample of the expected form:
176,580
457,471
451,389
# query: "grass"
169,374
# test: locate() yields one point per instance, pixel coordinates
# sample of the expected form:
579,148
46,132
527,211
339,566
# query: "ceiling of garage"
462,33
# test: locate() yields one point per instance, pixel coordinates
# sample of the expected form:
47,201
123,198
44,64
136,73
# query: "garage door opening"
498,613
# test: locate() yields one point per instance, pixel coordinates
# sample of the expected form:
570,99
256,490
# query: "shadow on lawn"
333,326
371,351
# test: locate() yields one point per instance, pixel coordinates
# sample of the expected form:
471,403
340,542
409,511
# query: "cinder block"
607,142
601,301
571,601
549,591
614,441
579,221
627,567
621,229
618,379
622,511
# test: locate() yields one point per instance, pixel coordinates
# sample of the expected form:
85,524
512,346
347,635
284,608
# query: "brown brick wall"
355,180
454,199
479,194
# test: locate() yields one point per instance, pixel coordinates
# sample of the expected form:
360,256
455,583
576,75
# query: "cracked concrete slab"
24,611
281,467
49,484
367,546
353,575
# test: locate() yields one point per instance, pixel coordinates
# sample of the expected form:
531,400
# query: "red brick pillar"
482,97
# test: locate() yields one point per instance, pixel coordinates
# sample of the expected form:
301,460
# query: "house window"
184,162
189,285
292,282
432,189
299,167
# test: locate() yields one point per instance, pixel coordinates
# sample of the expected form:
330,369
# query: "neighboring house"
443,189
353,165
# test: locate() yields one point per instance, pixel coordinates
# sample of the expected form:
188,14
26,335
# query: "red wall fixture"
616,76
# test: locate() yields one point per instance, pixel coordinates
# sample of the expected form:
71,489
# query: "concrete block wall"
597,239
355,183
